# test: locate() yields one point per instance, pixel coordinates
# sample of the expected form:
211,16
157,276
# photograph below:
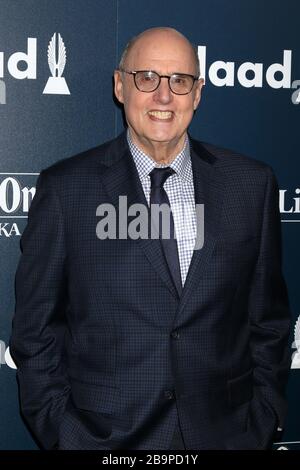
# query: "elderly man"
146,342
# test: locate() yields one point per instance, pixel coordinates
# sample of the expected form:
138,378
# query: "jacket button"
169,394
175,334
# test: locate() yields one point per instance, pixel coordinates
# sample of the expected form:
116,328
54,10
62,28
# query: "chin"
160,137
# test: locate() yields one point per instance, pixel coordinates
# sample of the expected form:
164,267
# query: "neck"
160,152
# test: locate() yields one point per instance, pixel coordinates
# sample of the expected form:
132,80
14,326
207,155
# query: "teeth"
161,114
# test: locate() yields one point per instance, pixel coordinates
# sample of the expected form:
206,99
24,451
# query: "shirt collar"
145,164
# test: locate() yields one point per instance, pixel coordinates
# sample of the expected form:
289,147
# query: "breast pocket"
238,244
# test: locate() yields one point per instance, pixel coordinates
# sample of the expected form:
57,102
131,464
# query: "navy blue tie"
159,196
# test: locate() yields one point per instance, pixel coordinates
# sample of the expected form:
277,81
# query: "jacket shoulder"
229,159
95,159
231,162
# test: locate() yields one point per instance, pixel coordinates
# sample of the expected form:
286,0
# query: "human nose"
163,94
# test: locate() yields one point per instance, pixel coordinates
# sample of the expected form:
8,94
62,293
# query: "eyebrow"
171,73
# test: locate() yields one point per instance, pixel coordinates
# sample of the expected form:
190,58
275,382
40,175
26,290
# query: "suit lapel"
208,187
121,178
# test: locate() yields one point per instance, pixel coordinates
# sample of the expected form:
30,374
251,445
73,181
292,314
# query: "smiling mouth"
161,115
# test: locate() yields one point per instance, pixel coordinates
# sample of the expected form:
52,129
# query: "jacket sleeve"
39,323
270,322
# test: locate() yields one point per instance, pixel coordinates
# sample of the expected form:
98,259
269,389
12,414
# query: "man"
145,343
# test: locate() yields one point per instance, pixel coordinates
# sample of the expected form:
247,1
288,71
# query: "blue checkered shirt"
180,190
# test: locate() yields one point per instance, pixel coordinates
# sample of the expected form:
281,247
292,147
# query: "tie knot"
160,175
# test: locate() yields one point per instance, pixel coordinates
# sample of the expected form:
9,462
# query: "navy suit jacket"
108,354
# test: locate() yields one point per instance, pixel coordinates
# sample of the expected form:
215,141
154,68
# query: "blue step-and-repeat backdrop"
250,58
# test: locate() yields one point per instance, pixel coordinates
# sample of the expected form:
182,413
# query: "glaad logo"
5,357
56,85
56,60
29,72
296,345
250,74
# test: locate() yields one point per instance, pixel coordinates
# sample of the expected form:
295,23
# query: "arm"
269,318
37,338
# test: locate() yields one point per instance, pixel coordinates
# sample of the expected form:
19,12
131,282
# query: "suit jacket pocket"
99,398
88,421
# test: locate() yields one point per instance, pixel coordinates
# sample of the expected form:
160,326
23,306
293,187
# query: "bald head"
156,38
158,119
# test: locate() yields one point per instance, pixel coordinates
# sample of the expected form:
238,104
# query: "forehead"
162,52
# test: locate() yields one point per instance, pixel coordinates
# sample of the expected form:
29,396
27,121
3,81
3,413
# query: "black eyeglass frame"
134,72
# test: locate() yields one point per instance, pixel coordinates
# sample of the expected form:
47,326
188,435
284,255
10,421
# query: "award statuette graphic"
56,85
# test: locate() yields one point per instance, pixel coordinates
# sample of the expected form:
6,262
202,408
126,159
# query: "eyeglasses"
148,81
